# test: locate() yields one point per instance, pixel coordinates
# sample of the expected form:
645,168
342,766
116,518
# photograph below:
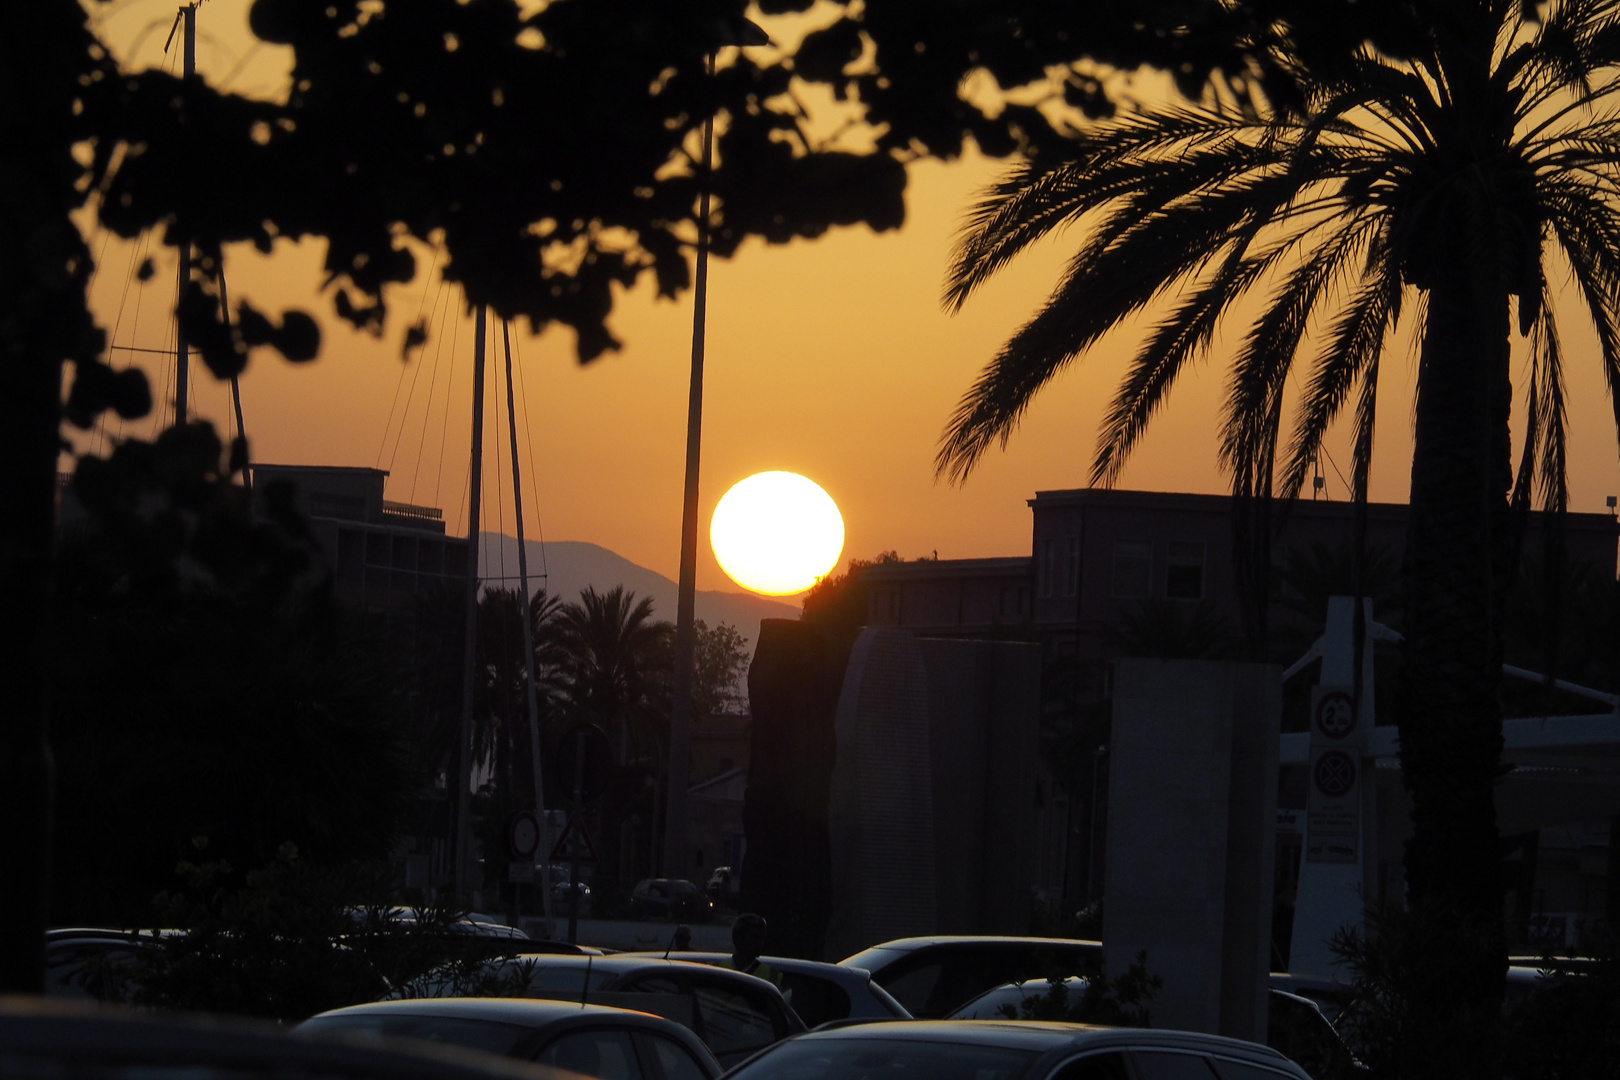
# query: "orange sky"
830,358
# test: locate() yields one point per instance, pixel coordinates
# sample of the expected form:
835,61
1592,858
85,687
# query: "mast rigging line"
416,377
534,485
421,301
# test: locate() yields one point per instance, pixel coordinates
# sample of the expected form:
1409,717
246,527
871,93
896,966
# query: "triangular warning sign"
575,842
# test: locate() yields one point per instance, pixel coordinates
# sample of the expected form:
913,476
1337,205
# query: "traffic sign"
584,763
1334,773
523,835
574,844
1333,711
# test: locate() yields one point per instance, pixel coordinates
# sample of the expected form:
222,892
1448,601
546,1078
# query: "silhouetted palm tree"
1170,630
1452,186
614,658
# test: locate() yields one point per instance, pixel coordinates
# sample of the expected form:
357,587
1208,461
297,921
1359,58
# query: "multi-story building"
381,552
1100,559
1096,554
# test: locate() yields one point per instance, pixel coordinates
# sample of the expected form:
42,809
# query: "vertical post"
1338,818
576,825
469,654
182,348
680,721
236,386
528,636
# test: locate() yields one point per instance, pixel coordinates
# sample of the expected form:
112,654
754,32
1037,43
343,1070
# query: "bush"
290,940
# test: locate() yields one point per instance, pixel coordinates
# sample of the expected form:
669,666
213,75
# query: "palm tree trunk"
1458,551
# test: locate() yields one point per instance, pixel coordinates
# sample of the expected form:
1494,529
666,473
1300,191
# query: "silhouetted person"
683,939
747,942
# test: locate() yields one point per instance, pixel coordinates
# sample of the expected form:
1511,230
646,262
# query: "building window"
1184,572
1133,566
1071,568
1047,572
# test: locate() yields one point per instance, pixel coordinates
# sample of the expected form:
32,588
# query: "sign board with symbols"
574,843
1333,713
1333,825
1333,813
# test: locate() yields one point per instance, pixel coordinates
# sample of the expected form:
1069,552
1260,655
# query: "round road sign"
1335,773
1335,714
523,835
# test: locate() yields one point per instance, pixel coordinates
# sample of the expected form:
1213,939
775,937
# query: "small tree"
720,664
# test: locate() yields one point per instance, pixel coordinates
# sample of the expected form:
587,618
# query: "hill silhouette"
566,567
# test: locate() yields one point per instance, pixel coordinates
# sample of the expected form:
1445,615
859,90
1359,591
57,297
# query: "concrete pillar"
880,815
1191,833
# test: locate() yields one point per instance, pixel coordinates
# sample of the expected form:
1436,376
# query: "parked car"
734,1014
1004,1050
669,898
930,976
1295,1025
93,962
723,885
559,896
587,1040
820,993
43,1038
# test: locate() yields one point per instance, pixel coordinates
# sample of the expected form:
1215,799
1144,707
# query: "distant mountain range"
566,567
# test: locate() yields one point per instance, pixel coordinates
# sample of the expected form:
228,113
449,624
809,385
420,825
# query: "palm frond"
1588,231
1268,350
1352,346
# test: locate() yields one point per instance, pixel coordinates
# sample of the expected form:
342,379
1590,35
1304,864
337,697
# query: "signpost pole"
573,846
1332,874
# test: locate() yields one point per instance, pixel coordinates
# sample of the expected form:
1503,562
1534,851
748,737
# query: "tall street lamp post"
741,33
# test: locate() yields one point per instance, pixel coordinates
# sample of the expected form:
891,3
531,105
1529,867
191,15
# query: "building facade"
381,552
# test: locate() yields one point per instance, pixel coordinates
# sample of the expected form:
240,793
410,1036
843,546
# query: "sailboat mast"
182,349
462,775
528,630
236,385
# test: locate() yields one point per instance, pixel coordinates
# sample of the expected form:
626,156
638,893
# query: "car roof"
530,1012
1043,1035
81,1038
618,962
838,972
910,943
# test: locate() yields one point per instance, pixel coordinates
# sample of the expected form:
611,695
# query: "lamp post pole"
680,720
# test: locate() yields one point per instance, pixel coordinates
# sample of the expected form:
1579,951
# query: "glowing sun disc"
776,533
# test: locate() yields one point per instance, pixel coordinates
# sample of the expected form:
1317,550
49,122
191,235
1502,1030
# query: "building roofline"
1014,564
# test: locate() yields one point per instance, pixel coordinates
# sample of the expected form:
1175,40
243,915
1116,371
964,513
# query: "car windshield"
487,1035
992,1004
1007,1001
570,977
870,1058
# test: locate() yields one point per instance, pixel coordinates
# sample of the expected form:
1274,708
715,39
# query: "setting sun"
777,533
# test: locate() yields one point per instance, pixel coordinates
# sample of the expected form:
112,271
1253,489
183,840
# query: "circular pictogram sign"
522,835
1335,773
1335,714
